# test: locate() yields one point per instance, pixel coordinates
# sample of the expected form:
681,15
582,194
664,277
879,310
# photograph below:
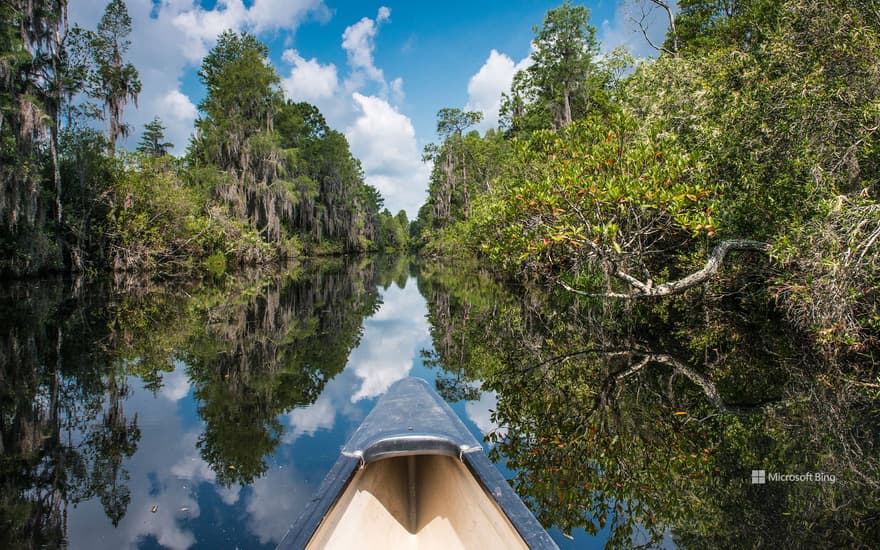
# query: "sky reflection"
193,510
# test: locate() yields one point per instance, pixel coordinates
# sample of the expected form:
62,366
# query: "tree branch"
670,16
674,287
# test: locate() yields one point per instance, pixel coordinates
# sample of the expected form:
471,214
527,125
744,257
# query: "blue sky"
379,71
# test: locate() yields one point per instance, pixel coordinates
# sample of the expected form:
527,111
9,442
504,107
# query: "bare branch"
670,16
679,285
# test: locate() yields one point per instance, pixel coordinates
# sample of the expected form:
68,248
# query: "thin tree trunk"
567,120
56,170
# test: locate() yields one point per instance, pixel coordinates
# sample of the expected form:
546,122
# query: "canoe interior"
424,501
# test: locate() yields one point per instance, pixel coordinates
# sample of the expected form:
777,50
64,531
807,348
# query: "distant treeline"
263,180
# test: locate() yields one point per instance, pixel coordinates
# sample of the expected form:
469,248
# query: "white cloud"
309,80
358,41
178,106
480,413
320,415
385,141
397,94
171,37
493,79
284,14
274,502
198,28
175,385
392,338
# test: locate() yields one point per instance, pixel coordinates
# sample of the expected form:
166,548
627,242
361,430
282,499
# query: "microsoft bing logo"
761,477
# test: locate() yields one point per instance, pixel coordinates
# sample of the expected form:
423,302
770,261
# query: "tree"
236,136
337,206
704,25
563,79
152,142
31,48
450,163
113,81
241,100
403,221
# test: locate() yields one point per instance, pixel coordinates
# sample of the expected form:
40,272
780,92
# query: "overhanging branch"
639,288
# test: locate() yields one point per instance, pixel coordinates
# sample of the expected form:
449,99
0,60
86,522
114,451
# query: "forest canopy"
263,180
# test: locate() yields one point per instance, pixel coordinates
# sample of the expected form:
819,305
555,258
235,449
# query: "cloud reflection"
480,413
168,473
320,415
392,340
163,474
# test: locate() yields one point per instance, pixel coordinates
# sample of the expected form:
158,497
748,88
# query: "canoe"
413,476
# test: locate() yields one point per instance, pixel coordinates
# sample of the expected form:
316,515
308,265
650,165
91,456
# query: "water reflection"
640,424
203,415
194,414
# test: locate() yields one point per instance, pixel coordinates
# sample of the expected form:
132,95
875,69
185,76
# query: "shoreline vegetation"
751,138
264,179
749,143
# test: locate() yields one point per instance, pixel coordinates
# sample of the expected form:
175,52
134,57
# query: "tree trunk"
567,113
56,170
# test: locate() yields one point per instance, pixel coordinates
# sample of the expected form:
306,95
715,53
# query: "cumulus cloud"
275,500
266,15
320,415
385,141
175,385
397,94
309,80
200,26
493,79
392,338
358,41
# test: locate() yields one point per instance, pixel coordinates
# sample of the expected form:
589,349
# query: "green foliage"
291,175
764,119
242,96
564,82
465,166
154,221
153,139
264,180
642,421
601,193
392,234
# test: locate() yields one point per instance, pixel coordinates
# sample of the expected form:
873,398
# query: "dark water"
204,415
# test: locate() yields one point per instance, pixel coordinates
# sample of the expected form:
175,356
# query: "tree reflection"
255,345
268,347
646,419
55,451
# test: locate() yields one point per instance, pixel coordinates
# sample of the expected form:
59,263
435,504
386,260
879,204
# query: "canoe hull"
412,476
